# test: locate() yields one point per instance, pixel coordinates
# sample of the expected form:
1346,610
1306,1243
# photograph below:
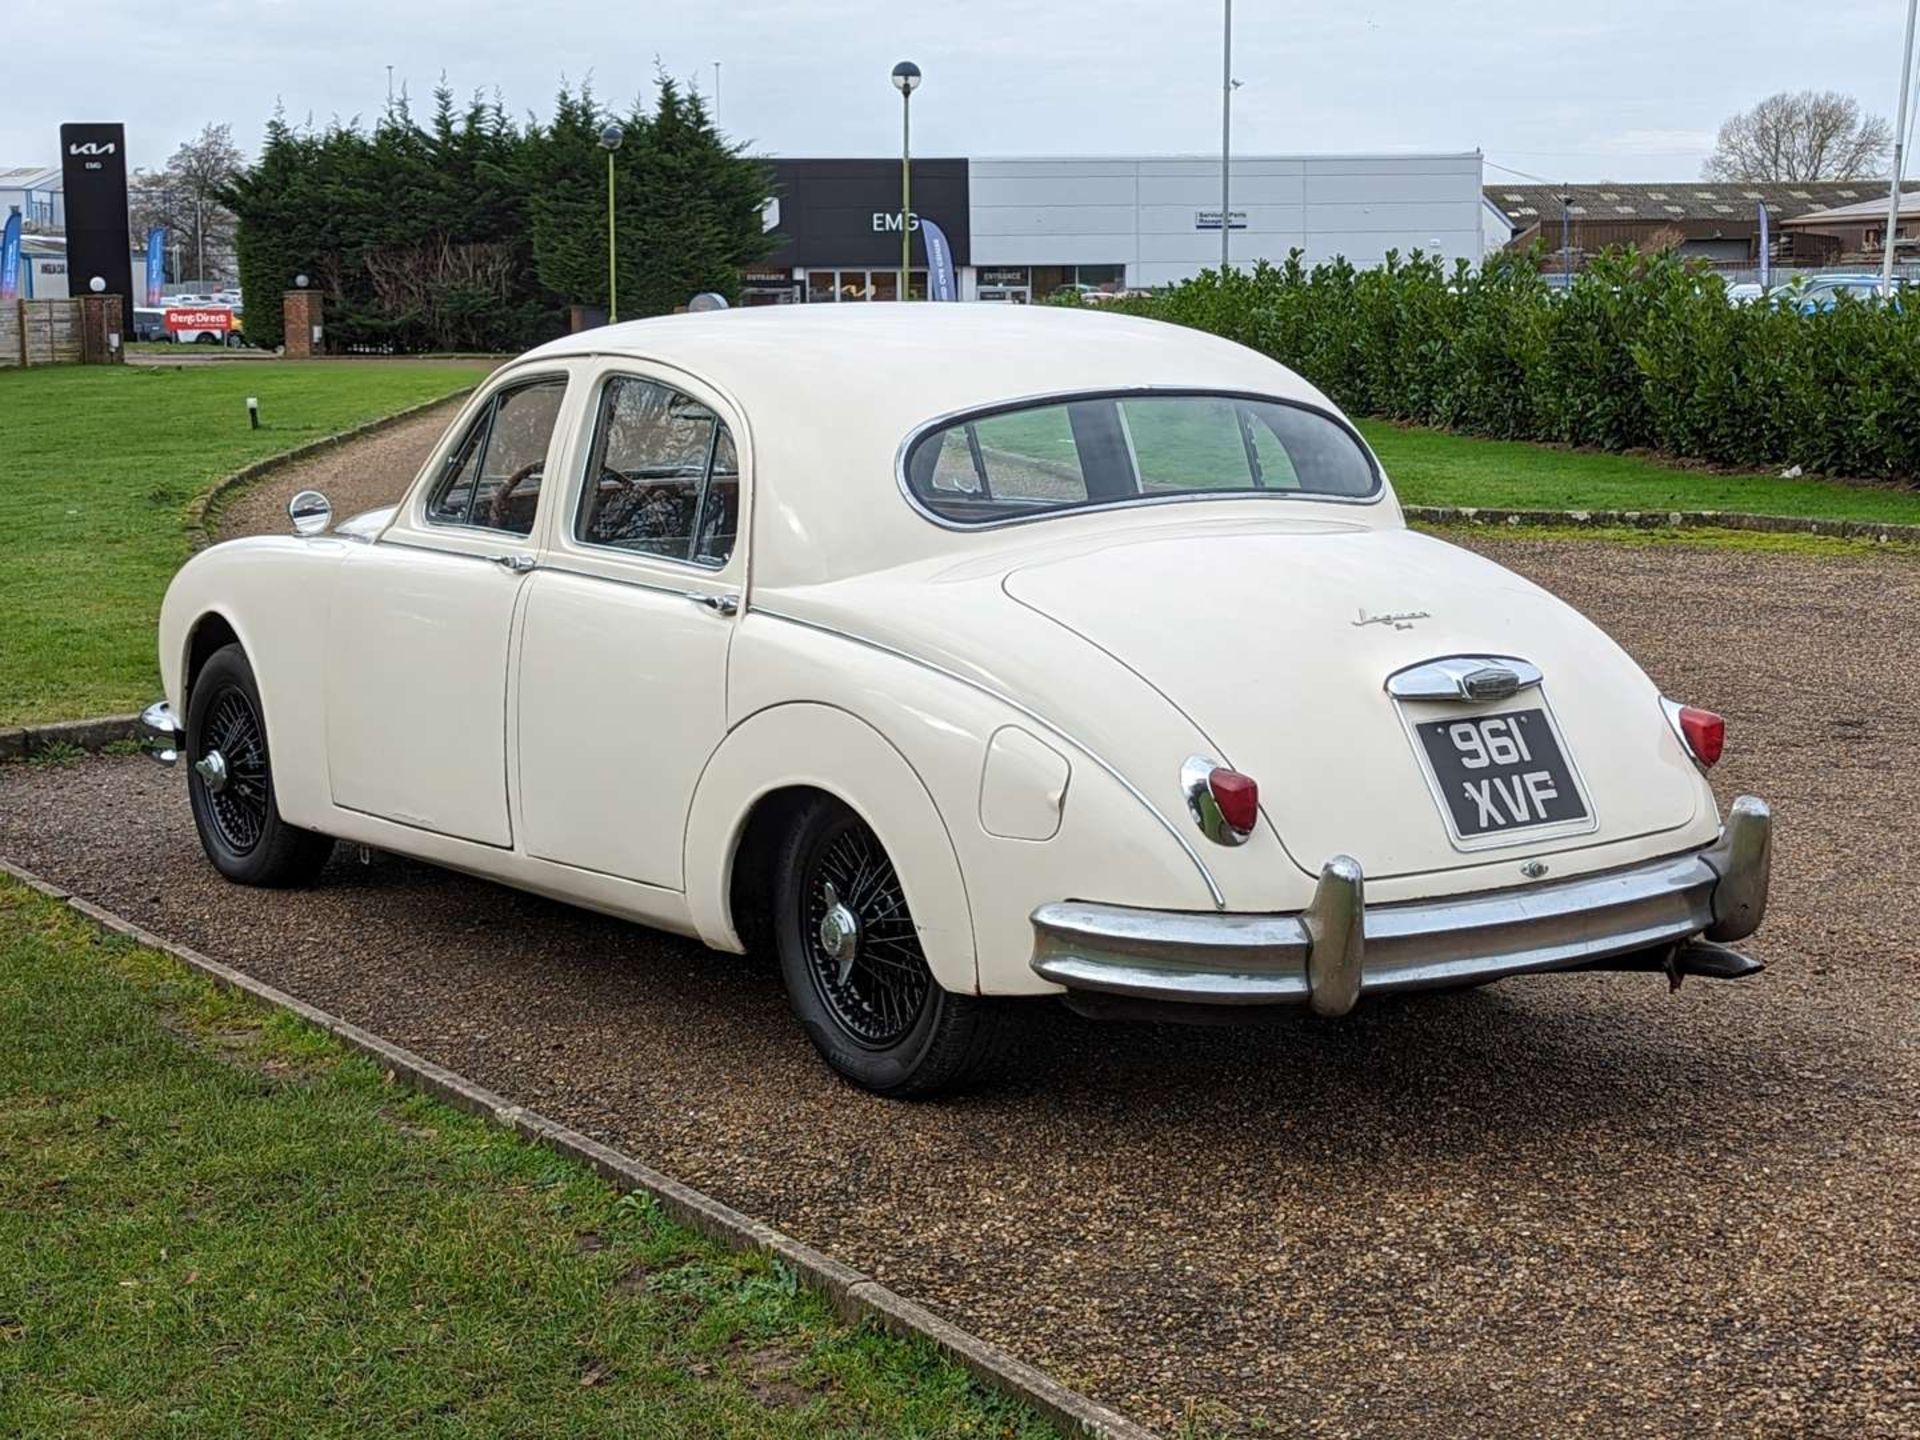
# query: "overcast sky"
1621,89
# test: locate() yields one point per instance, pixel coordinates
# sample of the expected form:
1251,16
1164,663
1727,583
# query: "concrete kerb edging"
853,1295
201,507
24,740
1667,520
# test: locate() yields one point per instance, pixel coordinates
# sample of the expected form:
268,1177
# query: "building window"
834,285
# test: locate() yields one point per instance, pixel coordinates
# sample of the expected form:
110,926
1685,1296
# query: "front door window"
493,476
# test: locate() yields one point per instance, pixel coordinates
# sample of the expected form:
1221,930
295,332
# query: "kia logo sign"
92,147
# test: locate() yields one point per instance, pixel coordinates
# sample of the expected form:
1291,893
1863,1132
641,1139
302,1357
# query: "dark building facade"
838,224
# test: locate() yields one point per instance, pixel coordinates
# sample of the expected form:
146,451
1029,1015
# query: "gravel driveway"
1558,1206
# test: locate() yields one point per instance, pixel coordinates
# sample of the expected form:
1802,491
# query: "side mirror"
311,513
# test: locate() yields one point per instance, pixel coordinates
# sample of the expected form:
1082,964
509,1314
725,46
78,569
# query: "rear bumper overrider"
1666,914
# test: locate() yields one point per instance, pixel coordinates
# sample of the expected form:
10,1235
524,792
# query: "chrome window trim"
1068,397
1099,762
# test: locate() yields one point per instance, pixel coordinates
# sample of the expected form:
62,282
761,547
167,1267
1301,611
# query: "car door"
621,686
420,623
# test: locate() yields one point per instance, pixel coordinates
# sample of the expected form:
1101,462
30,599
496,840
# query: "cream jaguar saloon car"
955,654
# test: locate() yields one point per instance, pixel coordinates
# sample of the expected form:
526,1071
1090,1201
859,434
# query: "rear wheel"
854,969
230,781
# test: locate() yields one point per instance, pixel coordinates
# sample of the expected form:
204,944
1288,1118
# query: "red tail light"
1237,796
1704,732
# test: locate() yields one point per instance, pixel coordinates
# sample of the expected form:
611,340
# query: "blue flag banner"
940,283
10,258
156,264
1766,267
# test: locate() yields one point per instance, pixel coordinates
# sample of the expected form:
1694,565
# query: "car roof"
829,393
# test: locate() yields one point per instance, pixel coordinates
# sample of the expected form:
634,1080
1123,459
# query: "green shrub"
1642,351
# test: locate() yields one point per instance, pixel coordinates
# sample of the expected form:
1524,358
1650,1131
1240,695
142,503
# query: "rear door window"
663,477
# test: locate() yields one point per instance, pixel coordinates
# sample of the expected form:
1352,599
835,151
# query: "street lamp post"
1226,132
610,137
906,79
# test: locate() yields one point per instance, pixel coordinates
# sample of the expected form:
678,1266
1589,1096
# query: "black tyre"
855,973
230,781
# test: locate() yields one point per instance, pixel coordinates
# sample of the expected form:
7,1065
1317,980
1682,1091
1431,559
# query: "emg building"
1022,229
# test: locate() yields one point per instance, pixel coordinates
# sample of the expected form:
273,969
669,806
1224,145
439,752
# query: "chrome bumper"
1338,949
160,738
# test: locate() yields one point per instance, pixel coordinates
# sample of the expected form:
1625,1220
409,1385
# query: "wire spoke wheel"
232,770
863,953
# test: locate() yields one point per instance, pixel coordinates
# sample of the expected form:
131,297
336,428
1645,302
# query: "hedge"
1641,351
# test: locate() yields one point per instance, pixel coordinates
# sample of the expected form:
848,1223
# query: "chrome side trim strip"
1179,838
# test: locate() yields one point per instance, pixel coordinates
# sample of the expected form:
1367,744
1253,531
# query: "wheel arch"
772,762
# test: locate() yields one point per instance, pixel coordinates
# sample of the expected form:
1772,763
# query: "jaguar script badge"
1398,619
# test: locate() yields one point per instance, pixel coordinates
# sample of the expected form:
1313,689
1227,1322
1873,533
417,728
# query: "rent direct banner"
156,264
940,284
193,317
10,258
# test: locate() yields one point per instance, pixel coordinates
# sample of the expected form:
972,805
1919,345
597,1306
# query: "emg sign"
885,221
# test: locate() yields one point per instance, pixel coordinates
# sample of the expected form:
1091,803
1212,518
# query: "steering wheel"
497,506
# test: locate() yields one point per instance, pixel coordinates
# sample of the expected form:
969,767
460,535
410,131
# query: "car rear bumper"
1338,949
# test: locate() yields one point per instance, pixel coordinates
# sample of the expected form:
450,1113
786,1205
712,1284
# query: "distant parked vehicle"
1823,292
150,323
207,323
1747,292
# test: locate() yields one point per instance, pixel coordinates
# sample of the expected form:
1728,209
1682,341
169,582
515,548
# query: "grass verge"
1431,467
99,465
219,1222
1760,542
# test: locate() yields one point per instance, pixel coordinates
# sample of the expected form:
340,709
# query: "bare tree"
184,198
1812,135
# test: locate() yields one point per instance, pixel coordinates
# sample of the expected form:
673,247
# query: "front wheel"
230,781
854,970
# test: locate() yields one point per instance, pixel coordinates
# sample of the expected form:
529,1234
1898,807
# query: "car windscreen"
1059,455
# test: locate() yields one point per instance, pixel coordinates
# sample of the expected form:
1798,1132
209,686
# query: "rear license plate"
1498,773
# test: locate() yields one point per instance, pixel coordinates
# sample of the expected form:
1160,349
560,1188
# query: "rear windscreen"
1069,454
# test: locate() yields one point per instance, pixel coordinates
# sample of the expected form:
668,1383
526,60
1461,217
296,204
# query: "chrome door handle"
719,604
519,562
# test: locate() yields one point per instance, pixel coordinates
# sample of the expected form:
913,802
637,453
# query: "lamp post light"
610,137
906,79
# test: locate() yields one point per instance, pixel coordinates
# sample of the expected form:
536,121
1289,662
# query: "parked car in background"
1079,656
150,323
1823,292
1745,292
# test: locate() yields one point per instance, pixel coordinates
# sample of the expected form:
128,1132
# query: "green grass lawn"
1431,467
96,470
218,1222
